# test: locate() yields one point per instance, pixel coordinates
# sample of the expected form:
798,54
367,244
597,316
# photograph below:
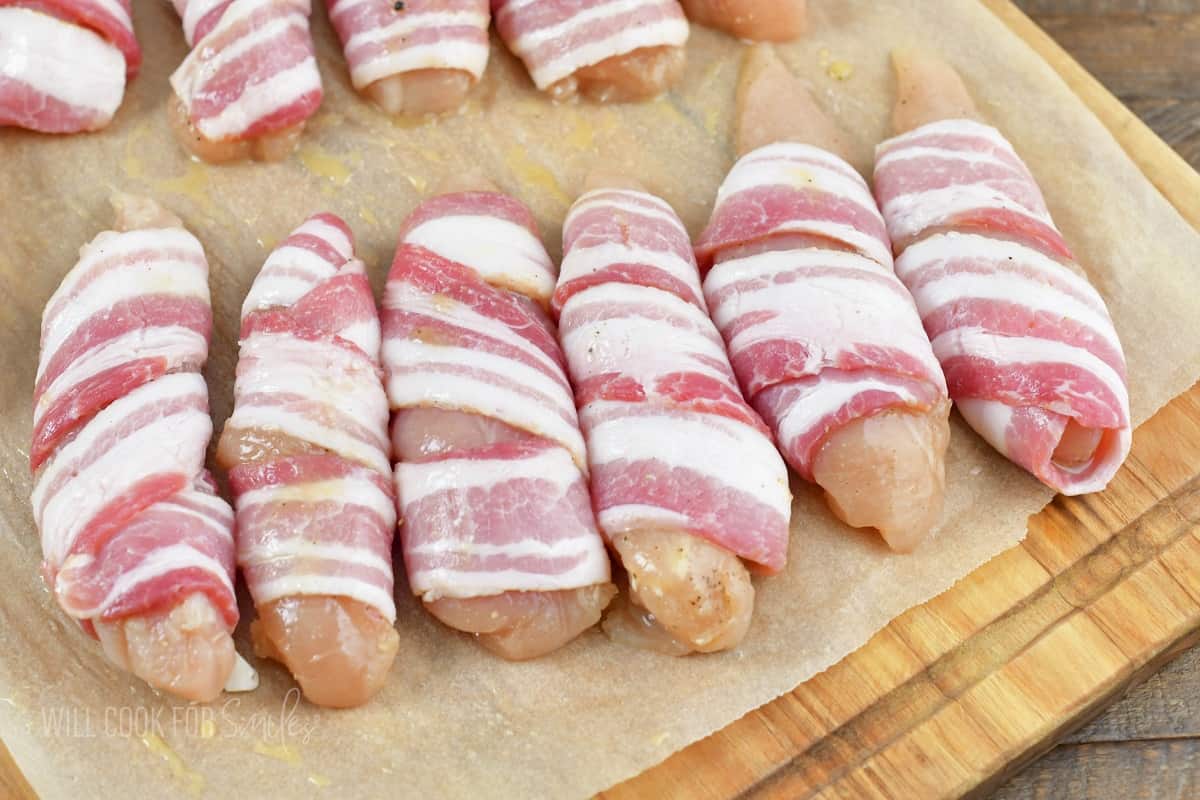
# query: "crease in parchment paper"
454,721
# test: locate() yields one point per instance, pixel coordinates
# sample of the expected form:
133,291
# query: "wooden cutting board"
958,693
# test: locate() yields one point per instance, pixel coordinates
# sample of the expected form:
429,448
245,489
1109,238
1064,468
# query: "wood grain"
1149,770
13,785
1144,52
1167,706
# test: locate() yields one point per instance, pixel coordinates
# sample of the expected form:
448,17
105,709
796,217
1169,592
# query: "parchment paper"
454,721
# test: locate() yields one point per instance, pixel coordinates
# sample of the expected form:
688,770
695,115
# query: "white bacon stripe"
991,419
477,394
583,261
67,62
708,444
165,276
409,351
620,200
178,346
117,11
619,344
448,53
291,271
552,469
910,214
191,12
365,334
939,154
791,165
831,314
1020,351
616,520
344,491
672,31
295,584
950,127
1001,254
260,100
404,296
170,444
434,584
416,481
1017,290
121,251
469,57
325,374
499,250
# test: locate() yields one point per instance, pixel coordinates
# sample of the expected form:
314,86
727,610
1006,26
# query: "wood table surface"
1147,52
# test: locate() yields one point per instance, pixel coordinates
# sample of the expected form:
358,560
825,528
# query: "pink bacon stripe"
873,391
1026,343
638,222
685,378
471,204
852,352
217,90
23,106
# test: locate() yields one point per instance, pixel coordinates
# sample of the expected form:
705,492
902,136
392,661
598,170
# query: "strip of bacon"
491,484
132,530
417,56
1028,348
62,69
251,77
611,49
307,453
